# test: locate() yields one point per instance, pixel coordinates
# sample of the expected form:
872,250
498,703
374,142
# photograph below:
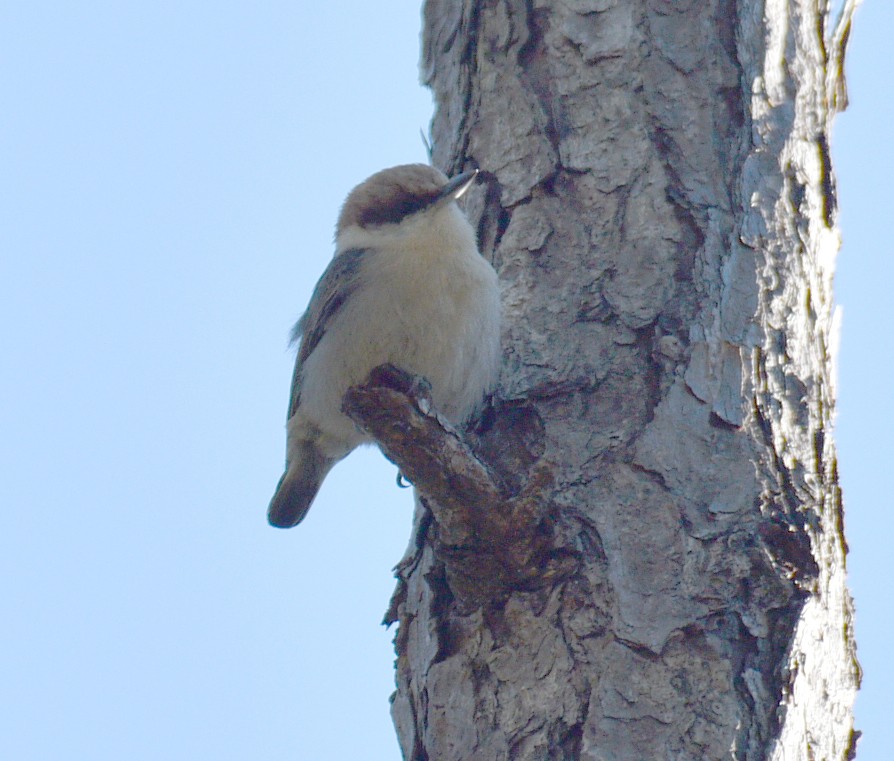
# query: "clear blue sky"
169,178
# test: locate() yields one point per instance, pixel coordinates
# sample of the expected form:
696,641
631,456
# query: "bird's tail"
299,485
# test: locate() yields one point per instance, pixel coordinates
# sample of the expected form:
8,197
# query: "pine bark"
658,199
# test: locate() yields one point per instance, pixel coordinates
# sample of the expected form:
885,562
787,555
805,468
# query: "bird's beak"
458,185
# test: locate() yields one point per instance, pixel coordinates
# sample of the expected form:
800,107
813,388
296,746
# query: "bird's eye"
397,208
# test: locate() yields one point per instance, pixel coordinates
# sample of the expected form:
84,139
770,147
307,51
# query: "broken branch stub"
485,535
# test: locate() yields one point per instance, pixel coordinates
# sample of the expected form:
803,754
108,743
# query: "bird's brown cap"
393,194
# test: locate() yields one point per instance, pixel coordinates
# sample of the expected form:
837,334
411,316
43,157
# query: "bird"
407,286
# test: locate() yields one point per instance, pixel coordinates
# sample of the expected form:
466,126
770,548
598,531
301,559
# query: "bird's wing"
339,281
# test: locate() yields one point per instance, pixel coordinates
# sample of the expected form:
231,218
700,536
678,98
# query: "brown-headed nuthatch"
407,286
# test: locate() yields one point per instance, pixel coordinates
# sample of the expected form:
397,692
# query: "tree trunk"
658,199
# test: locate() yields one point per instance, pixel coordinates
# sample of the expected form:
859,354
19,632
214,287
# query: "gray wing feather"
338,282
